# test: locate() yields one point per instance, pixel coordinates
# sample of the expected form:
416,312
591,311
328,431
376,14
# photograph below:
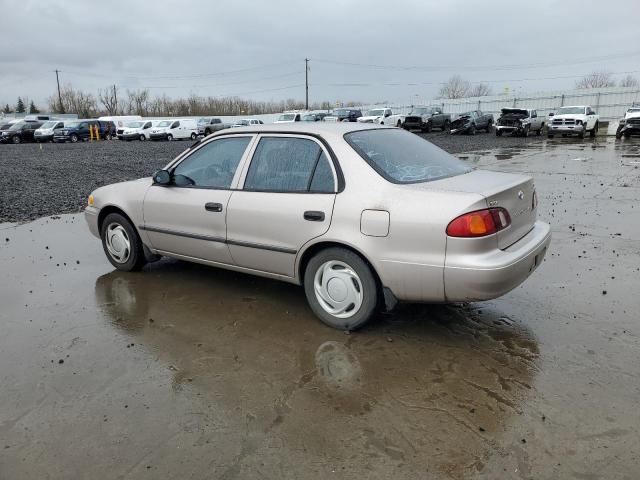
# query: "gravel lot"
40,180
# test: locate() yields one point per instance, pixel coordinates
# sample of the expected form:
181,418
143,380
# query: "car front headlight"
623,121
90,200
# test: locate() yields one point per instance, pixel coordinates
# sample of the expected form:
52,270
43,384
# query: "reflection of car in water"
309,204
231,350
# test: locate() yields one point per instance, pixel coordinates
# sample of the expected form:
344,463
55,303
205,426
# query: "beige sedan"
360,215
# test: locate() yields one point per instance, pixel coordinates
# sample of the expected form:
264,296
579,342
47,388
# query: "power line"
235,82
484,67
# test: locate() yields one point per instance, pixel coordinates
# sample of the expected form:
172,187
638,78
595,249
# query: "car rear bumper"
91,216
470,277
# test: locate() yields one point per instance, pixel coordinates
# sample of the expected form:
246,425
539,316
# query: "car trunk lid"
509,191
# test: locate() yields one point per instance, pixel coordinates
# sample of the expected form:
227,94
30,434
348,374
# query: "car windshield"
286,117
203,120
633,110
309,118
570,111
17,126
378,112
134,124
165,123
402,157
49,124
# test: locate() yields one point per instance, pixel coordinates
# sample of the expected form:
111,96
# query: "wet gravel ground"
186,371
38,180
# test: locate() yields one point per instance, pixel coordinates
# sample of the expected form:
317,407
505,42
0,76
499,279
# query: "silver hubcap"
117,242
338,289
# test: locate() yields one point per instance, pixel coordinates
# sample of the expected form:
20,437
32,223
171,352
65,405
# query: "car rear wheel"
194,136
121,243
73,138
341,288
594,130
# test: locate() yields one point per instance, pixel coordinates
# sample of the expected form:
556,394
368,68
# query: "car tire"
489,126
194,136
16,139
429,127
594,131
354,280
207,132
170,137
539,131
627,135
121,243
472,129
525,131
498,133
74,138
142,138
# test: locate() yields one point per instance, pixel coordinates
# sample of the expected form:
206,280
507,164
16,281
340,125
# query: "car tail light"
479,223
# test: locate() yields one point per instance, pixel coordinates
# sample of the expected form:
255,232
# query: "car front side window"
287,164
213,165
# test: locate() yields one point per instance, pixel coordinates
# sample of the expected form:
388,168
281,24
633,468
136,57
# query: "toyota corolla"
361,216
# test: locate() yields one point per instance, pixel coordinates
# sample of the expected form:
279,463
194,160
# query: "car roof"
326,130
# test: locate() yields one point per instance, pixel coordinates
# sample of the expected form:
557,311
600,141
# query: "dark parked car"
207,126
470,122
79,130
345,115
20,132
427,118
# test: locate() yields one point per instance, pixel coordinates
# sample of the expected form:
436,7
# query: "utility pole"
115,99
59,95
306,82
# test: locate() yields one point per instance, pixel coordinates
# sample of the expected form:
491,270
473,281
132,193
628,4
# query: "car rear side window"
285,164
213,165
403,157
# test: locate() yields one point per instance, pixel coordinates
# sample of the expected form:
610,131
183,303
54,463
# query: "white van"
138,130
120,120
175,129
45,132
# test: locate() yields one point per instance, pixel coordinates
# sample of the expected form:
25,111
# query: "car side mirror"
162,177
387,114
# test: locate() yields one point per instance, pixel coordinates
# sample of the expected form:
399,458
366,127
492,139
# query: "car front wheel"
341,288
121,243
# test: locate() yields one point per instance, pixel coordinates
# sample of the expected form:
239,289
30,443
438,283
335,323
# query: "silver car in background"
360,215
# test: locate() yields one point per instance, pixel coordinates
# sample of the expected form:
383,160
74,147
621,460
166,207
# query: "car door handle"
314,216
213,207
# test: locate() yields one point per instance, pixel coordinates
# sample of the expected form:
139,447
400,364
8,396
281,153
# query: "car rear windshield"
403,157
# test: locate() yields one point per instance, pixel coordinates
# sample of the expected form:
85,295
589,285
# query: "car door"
187,217
287,199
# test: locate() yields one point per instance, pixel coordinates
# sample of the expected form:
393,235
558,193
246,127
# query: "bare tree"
138,102
596,80
629,81
109,99
480,90
74,101
455,87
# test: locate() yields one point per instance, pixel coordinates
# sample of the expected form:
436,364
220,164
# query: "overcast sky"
368,50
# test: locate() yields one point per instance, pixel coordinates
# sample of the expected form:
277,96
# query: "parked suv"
574,121
519,121
630,124
79,130
20,132
344,115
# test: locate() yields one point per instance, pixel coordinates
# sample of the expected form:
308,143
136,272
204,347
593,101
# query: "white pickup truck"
573,121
